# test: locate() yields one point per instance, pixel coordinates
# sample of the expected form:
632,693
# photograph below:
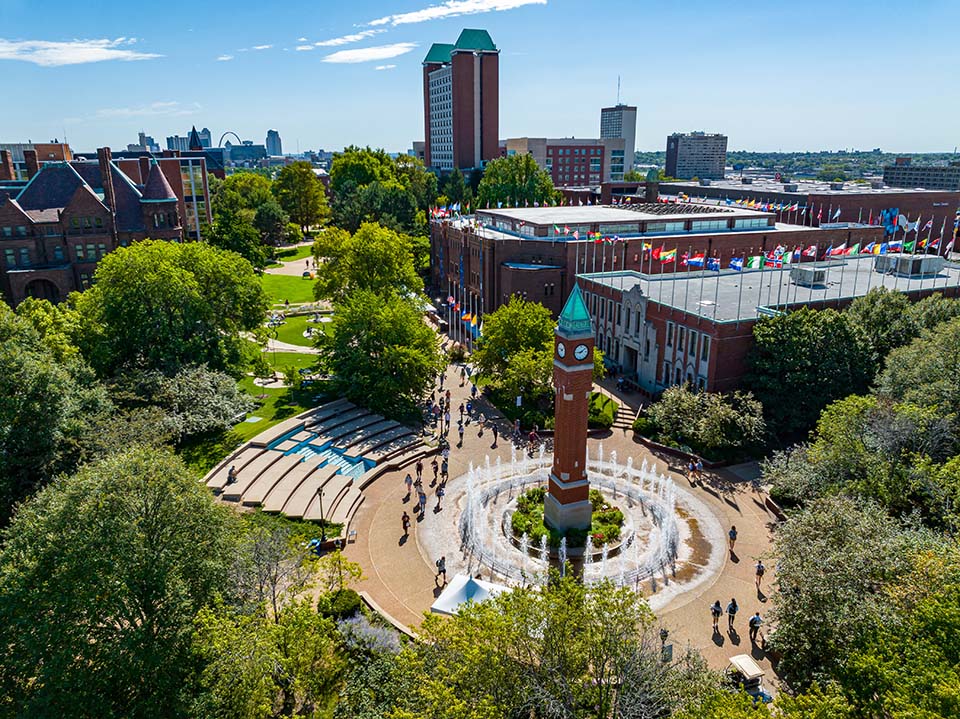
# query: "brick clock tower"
567,504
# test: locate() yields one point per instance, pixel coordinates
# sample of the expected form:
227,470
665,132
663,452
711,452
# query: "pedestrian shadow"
734,637
437,590
761,596
734,558
756,651
718,638
403,539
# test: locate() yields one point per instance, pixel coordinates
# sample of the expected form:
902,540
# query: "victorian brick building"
55,227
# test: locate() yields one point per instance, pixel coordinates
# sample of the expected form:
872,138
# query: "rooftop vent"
836,185
808,275
746,180
909,265
791,187
705,182
876,184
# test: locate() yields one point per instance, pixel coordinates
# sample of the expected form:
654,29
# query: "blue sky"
814,75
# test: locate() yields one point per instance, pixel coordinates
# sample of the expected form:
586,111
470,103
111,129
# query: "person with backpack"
760,572
716,611
441,570
732,534
732,609
405,521
755,622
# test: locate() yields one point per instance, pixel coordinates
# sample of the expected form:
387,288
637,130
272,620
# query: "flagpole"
594,258
816,253
910,266
623,265
576,266
703,272
686,284
716,292
673,280
840,286
739,294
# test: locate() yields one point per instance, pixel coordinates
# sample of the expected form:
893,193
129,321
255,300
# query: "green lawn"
289,254
281,360
291,331
285,287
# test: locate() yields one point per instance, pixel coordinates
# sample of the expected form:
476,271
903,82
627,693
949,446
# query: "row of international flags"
783,256
470,318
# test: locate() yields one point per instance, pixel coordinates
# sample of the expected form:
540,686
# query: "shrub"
339,605
603,411
645,427
457,353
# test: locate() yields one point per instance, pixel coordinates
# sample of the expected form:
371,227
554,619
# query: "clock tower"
567,504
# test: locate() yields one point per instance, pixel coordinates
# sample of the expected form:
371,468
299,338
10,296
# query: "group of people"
716,610
695,470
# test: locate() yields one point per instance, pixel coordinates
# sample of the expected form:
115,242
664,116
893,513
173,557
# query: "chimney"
144,169
6,166
106,176
33,167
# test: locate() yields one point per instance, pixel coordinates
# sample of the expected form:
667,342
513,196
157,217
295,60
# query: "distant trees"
515,181
301,195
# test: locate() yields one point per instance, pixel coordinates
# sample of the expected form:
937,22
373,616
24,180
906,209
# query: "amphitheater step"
245,479
219,479
299,499
258,491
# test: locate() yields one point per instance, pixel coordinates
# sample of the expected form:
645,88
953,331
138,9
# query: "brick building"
461,102
55,227
483,260
572,160
696,154
904,173
696,327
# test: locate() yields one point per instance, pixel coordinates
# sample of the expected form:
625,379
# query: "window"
24,257
638,322
627,323
679,376
8,232
702,384
618,314
101,249
680,338
610,309
646,350
10,257
58,253
669,334
84,280
79,249
75,223
750,222
98,221
91,252
665,227
666,372
705,349
603,309
21,230
693,344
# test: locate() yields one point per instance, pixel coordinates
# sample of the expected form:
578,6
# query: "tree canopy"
162,305
301,195
515,181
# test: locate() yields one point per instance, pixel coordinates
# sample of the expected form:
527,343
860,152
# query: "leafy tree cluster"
708,422
371,186
515,181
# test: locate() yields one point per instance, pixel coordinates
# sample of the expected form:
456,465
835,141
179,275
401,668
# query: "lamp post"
323,522
274,334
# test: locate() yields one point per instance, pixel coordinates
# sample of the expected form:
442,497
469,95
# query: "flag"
556,229
820,215
870,249
855,250
473,320
902,222
935,245
713,264
836,215
736,263
576,234
773,261
668,256
456,307
466,317
929,224
796,206
909,246
657,252
696,261
566,230
811,251
882,249
647,247
837,251
895,246
949,247
755,262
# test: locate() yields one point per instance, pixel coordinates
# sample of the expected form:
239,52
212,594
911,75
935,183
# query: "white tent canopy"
462,589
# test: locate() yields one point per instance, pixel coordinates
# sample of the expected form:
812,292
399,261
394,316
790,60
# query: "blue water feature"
326,455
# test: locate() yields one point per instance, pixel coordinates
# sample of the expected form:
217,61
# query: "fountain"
563,557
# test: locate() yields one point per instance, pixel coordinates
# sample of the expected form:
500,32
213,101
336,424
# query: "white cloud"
384,67
50,53
224,58
453,8
347,39
366,54
169,109
301,39
304,48
262,47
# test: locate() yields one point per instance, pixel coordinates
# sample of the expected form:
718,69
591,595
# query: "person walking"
495,433
448,397
408,480
440,492
460,431
699,466
732,609
732,534
444,469
473,391
755,621
420,469
761,570
435,466
442,377
716,611
446,421
463,375
405,521
461,410
441,571
421,502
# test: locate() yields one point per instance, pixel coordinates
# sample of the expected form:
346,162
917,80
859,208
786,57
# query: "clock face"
581,352
561,349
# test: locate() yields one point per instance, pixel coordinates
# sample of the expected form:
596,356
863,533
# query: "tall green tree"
233,230
271,221
882,317
301,195
374,258
456,188
101,576
803,360
162,305
708,421
381,353
509,330
515,181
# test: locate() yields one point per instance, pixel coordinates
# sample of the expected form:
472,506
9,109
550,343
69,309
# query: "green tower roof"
575,317
475,40
439,52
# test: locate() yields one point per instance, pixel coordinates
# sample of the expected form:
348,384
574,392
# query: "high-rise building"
144,143
696,154
274,148
573,161
620,121
930,177
461,102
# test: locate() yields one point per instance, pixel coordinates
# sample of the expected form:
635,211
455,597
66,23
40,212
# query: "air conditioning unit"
746,180
909,265
791,187
808,275
836,185
704,182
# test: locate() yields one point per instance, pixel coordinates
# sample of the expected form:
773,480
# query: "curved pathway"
400,575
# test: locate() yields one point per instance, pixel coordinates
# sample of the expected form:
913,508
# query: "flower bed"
527,518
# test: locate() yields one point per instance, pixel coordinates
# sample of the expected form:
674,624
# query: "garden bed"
527,518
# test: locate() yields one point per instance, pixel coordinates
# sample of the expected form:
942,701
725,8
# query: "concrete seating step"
362,449
346,429
302,436
233,492
367,433
333,490
392,447
279,495
219,479
344,510
271,435
287,444
328,410
300,497
336,420
256,493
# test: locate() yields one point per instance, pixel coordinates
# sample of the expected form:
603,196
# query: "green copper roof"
439,52
575,318
475,40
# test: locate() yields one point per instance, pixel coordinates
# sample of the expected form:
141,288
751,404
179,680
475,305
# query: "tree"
456,189
416,178
161,305
836,561
374,258
708,421
301,195
49,399
254,190
882,317
803,360
634,176
233,230
510,329
515,181
254,667
272,221
101,575
925,372
380,352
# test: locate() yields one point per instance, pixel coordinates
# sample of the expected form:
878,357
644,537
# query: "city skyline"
809,78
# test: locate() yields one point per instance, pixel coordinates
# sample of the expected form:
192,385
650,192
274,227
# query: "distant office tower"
274,148
573,161
461,102
620,121
929,177
696,154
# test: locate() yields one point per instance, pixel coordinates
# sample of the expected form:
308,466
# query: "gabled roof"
129,215
156,188
439,53
53,186
575,317
15,206
475,40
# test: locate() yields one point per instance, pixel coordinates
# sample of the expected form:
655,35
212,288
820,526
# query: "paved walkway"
400,576
278,346
292,267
